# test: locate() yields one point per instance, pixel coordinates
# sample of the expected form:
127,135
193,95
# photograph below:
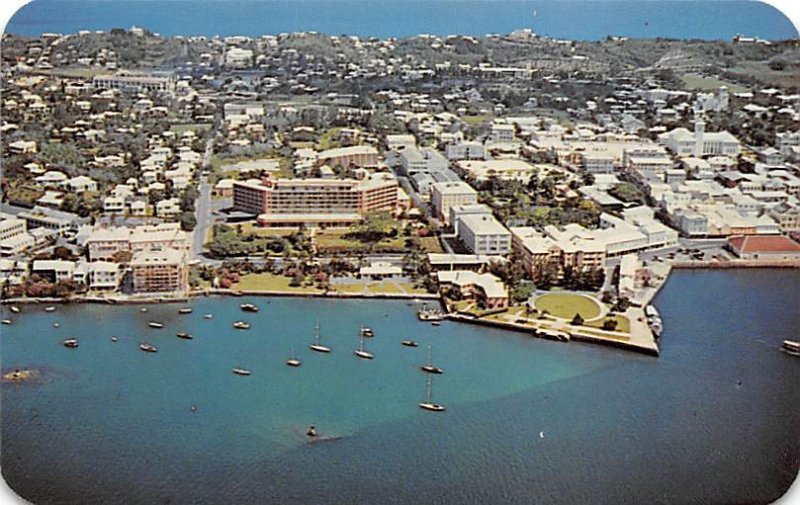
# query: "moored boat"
6,321
184,335
114,339
248,307
15,309
293,361
56,325
791,347
367,332
241,325
71,343
147,347
361,352
409,343
317,346
49,308
155,324
429,367
185,310
208,316
428,404
241,371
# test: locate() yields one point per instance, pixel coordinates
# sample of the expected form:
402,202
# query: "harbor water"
714,419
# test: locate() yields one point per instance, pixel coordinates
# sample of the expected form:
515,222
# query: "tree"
577,320
610,324
188,221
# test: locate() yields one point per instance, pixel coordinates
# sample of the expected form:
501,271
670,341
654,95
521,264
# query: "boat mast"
430,388
316,330
430,350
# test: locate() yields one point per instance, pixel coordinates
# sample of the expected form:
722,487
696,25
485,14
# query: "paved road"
203,204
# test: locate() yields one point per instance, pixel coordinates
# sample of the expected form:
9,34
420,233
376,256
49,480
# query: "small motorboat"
208,316
6,321
248,307
114,339
241,325
792,347
184,335
367,332
436,323
49,308
15,309
148,347
241,371
143,309
185,310
56,325
71,343
155,324
409,343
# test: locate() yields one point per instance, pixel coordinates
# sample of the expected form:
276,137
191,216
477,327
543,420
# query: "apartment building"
313,202
486,289
159,271
482,234
445,195
132,83
539,252
356,156
465,151
106,243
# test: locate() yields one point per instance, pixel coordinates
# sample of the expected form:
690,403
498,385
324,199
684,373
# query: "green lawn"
694,82
623,324
388,287
429,244
335,240
269,282
566,305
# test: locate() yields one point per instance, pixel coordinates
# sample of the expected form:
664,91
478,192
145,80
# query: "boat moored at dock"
248,307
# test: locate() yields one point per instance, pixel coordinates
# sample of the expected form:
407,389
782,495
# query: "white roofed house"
169,208
486,289
54,270
80,184
22,147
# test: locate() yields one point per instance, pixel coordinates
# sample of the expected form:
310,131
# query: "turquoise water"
713,420
572,19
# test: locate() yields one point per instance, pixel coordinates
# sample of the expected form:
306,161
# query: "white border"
790,8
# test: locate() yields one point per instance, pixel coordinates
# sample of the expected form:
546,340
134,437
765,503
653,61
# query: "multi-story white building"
700,143
105,243
502,132
445,195
426,159
465,151
132,83
482,234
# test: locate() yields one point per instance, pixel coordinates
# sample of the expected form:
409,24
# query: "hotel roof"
764,243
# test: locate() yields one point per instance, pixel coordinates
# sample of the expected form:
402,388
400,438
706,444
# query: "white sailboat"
317,346
428,404
429,367
360,352
293,361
